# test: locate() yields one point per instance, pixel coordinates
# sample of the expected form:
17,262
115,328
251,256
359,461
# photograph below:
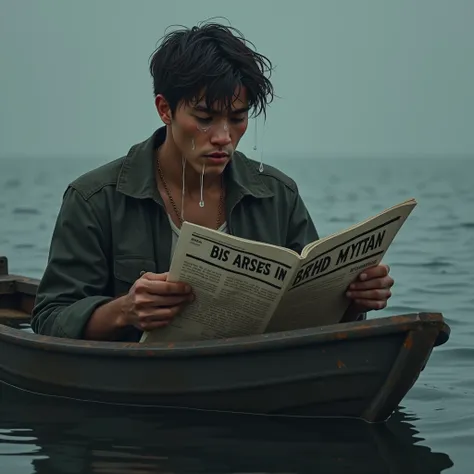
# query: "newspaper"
245,287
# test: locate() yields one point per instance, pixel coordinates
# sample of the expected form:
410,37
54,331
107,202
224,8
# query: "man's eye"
205,120
237,119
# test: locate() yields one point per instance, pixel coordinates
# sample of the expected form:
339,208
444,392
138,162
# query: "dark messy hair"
208,62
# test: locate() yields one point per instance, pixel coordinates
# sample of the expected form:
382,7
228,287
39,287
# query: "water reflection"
66,437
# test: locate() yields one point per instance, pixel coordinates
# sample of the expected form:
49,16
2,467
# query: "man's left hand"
371,291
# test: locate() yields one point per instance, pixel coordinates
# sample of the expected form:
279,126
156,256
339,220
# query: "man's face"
209,137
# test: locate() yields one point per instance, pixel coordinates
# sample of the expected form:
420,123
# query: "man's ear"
163,109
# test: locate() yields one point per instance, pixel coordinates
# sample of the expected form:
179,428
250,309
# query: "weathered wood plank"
8,313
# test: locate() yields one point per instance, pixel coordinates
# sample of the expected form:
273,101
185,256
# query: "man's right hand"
152,301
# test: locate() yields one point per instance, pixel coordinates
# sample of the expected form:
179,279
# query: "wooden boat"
359,369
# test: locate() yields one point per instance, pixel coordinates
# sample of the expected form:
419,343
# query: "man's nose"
221,134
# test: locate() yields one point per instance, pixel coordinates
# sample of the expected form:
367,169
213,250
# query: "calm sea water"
432,261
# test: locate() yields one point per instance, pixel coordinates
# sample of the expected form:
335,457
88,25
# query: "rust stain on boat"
408,343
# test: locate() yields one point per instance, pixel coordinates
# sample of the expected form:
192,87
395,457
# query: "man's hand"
372,289
152,301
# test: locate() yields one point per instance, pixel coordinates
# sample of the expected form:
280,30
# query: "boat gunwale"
262,342
379,326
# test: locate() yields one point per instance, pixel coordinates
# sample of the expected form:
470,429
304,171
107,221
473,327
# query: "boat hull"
360,369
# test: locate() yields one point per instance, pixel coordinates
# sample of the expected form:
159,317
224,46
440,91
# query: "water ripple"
433,262
26,210
24,246
11,184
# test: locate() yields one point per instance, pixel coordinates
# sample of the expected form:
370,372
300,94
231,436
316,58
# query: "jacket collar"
137,177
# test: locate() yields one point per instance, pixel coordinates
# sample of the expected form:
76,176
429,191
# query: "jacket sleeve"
301,229
76,275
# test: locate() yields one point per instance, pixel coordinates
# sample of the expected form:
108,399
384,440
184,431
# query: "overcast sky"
355,77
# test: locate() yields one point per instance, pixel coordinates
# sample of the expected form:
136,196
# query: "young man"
118,224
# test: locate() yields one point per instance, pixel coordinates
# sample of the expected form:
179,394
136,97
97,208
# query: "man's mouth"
217,155
217,158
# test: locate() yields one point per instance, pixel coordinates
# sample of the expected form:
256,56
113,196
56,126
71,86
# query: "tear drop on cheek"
203,129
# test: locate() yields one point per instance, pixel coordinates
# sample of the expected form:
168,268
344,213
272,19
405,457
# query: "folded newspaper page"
238,285
316,294
245,287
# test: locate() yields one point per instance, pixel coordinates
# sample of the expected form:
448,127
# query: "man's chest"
140,238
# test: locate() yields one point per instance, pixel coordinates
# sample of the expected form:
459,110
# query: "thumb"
154,276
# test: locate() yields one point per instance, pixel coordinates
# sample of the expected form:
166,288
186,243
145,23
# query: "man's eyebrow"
241,110
202,108
207,110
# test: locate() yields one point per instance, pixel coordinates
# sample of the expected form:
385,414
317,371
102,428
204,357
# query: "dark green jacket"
112,225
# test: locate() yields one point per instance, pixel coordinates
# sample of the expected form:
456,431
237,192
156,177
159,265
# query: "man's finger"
167,288
371,304
154,276
386,282
148,301
150,325
378,295
159,314
374,272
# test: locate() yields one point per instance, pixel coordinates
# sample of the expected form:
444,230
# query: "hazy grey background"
358,78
